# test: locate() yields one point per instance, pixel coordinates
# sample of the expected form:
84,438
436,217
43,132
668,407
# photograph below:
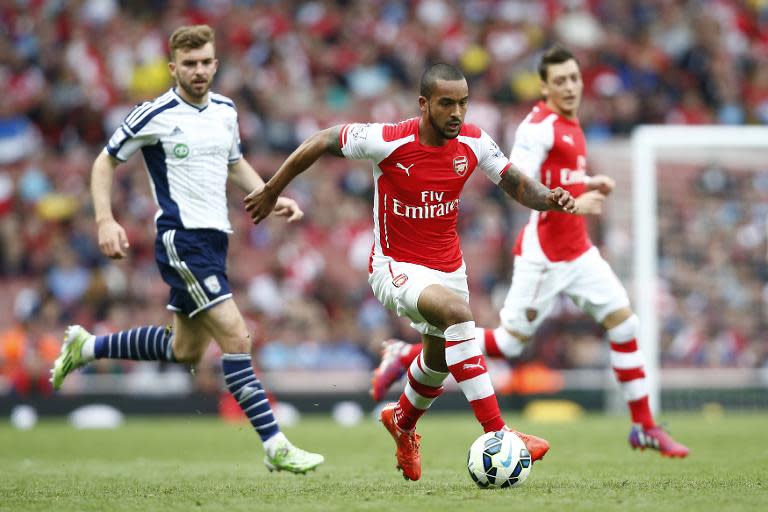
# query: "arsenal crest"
399,280
460,165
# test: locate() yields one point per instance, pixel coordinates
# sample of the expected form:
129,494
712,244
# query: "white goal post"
647,143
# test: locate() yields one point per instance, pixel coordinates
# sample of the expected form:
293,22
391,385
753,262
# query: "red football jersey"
417,187
552,149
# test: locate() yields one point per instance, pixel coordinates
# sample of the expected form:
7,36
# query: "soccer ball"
498,459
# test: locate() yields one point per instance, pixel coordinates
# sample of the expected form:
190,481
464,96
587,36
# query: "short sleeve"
491,159
361,141
127,140
236,150
532,143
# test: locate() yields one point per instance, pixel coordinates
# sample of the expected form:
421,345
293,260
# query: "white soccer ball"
23,417
347,413
498,459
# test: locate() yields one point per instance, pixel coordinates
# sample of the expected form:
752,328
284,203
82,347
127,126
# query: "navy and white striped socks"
140,344
247,390
155,344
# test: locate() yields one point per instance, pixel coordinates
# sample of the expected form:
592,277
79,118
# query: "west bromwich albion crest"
212,283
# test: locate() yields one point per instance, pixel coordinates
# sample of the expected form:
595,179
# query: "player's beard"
442,130
191,91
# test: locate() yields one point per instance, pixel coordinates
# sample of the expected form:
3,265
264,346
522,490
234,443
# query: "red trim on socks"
491,347
412,353
629,346
640,410
628,374
468,368
423,389
406,415
488,414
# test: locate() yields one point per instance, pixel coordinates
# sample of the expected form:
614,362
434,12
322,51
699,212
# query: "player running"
190,142
416,266
554,255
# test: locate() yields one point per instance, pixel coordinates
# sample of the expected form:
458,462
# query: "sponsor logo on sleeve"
359,132
496,150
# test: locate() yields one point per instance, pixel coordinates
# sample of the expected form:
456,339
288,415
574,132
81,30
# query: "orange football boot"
408,457
537,446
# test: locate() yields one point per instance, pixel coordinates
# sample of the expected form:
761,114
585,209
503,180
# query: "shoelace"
414,441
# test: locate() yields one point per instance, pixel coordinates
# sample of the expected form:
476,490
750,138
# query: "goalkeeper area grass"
203,464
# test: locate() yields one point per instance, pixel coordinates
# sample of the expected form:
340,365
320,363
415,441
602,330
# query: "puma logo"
568,139
406,169
478,364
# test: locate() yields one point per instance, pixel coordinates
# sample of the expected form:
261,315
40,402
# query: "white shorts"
398,287
588,280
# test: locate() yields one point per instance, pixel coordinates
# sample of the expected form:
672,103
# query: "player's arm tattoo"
318,144
526,191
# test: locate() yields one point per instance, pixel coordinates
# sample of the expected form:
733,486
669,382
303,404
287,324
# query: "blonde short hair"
191,37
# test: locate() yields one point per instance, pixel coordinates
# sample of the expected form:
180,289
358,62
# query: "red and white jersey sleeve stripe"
490,158
360,141
532,145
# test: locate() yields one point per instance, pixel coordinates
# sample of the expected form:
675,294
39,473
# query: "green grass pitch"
195,463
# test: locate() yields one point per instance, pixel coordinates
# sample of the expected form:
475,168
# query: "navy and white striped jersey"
187,150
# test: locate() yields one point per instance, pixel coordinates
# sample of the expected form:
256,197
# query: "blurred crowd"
713,268
71,70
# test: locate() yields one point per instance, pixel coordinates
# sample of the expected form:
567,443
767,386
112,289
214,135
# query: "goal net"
698,221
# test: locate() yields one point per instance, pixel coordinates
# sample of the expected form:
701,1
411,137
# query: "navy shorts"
194,264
